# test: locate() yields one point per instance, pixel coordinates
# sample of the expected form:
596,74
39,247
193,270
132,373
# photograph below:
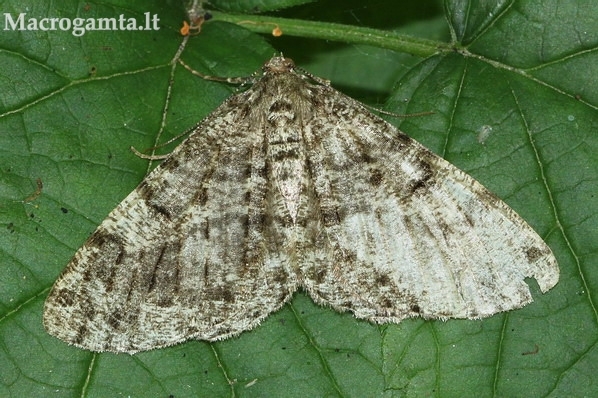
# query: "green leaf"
511,85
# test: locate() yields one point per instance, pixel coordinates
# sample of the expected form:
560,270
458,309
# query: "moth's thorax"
278,65
281,98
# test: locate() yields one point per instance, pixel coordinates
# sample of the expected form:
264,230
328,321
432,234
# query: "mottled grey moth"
292,185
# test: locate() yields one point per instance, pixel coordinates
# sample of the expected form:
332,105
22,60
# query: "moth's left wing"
184,256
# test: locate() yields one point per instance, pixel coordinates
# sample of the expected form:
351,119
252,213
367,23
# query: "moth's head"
279,64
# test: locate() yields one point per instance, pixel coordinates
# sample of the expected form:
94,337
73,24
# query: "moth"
292,185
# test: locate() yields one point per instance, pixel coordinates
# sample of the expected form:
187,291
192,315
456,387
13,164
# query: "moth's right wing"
404,233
